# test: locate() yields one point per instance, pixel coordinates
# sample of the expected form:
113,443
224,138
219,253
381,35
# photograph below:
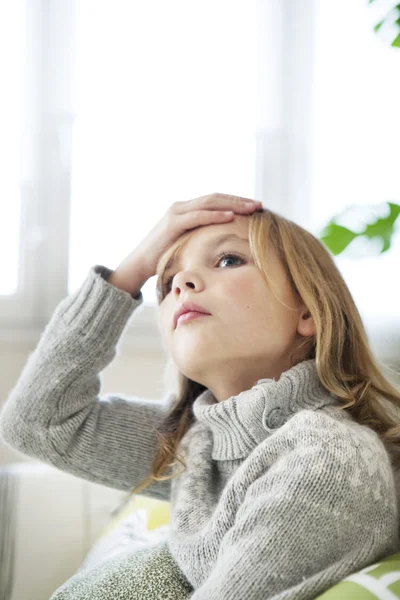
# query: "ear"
305,324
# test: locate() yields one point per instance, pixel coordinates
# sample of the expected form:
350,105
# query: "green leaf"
336,237
390,19
384,227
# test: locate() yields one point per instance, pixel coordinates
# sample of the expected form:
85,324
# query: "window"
11,103
115,110
165,112
356,154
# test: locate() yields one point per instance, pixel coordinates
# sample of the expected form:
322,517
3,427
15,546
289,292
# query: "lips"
188,307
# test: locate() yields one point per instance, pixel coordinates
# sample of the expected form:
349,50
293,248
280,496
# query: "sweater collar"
242,422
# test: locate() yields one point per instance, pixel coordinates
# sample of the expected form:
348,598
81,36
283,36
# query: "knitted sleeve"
310,514
55,412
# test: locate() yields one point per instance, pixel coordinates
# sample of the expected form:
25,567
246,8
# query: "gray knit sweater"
284,495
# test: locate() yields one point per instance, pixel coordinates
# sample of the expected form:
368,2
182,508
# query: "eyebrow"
214,243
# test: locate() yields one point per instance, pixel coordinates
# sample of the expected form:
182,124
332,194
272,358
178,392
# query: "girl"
287,449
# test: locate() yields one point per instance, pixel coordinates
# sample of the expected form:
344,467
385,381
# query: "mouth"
187,311
188,316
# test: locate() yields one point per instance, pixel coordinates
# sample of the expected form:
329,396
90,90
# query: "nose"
189,284
183,280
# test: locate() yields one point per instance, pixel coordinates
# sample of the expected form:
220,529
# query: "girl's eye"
166,287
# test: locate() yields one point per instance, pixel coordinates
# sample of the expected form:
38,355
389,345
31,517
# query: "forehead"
209,236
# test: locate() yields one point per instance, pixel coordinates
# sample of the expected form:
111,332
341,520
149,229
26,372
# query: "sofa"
51,522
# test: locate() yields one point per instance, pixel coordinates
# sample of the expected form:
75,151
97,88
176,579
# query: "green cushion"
380,581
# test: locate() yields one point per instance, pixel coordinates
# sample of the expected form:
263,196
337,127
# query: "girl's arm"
55,413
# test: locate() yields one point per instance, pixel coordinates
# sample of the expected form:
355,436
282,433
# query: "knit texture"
284,494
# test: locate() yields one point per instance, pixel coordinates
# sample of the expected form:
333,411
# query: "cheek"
249,296
261,302
239,291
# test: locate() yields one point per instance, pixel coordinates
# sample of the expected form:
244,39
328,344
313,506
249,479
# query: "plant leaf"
384,227
391,19
336,237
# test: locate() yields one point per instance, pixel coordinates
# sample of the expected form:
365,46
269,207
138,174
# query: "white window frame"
283,157
45,172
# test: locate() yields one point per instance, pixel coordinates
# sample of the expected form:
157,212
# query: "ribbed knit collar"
242,422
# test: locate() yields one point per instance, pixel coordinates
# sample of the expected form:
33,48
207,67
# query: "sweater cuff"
98,308
105,273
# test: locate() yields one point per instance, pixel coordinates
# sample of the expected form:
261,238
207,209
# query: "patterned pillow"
130,559
131,533
147,574
380,581
139,523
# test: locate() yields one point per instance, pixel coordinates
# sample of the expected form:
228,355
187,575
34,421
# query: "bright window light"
11,99
167,97
356,131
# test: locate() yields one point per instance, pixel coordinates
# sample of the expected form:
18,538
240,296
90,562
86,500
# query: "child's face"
249,334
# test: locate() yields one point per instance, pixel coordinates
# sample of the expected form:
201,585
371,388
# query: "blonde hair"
344,361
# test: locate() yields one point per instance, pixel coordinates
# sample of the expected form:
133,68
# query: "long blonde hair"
344,361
